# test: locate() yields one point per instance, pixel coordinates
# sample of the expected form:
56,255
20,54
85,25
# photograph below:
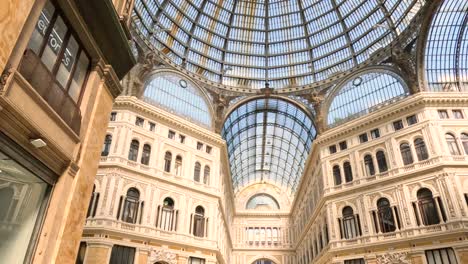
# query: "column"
439,212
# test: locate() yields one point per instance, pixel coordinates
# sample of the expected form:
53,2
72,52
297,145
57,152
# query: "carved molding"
393,258
162,255
4,77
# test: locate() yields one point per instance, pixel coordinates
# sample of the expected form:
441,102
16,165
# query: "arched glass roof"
245,43
178,95
268,139
446,55
363,94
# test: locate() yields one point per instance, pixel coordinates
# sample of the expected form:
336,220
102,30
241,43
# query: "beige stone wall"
13,15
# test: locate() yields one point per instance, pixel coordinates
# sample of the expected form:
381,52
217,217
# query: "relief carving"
162,255
393,258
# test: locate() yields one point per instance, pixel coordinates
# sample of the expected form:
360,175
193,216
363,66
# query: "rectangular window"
441,256
411,120
139,121
363,138
194,260
208,149
397,125
355,261
199,146
113,116
375,133
332,149
343,145
60,52
171,134
122,255
182,139
443,114
81,253
457,114
152,126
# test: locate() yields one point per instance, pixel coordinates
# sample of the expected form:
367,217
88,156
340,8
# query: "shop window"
193,260
122,255
56,64
441,256
355,261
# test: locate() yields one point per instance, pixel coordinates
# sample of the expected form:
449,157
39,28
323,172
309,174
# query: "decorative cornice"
418,100
134,103
107,73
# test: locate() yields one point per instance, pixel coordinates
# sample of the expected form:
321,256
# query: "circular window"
183,83
357,81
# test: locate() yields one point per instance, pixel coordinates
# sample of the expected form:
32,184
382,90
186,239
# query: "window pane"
43,22
68,60
78,77
54,43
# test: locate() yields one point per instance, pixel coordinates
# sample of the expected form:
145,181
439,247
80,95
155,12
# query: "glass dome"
246,43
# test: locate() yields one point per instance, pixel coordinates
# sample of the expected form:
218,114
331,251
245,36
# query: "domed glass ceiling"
287,43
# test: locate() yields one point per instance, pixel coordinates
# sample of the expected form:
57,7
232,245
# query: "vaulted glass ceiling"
268,140
245,43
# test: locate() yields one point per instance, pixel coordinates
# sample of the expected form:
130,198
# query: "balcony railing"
45,84
148,232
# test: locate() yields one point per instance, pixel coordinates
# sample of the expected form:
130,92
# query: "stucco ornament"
162,255
393,258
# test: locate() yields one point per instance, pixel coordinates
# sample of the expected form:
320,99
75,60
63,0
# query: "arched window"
199,222
363,94
464,140
427,207
6,202
262,201
381,161
337,175
263,261
145,156
131,204
206,174
106,146
369,165
386,218
167,161
179,95
166,217
196,172
452,144
93,203
133,152
421,150
348,172
406,155
178,165
349,224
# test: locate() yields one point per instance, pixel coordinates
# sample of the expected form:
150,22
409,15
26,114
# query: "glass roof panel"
268,140
242,43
